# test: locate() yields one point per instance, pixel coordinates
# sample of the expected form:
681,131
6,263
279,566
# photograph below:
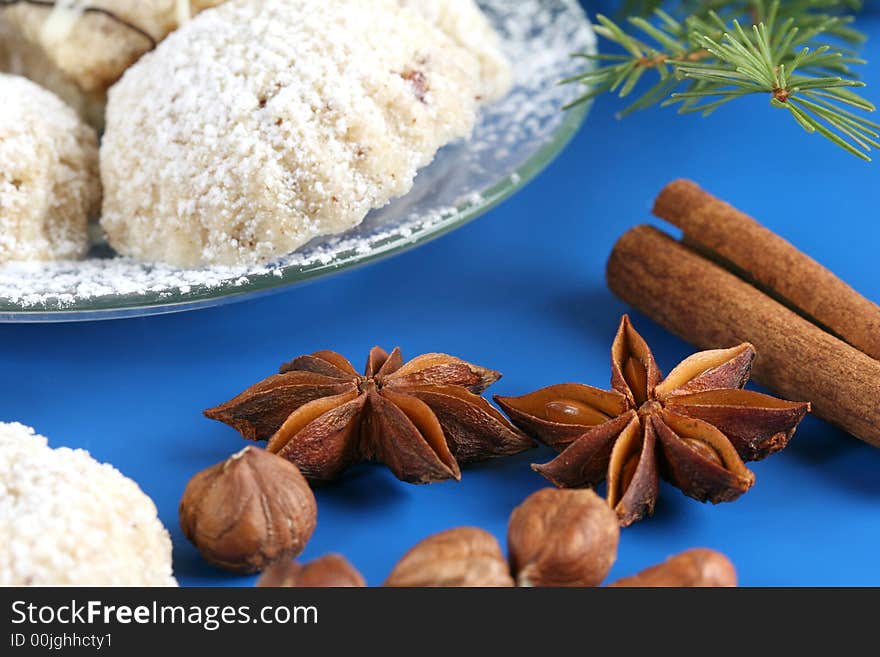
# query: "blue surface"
521,290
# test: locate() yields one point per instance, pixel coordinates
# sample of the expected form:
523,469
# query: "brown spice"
694,427
760,256
562,538
419,82
421,418
465,556
693,568
252,509
707,305
329,571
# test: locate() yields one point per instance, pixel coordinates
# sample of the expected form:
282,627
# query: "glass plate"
512,142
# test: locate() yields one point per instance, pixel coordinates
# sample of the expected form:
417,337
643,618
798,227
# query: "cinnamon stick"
771,263
707,305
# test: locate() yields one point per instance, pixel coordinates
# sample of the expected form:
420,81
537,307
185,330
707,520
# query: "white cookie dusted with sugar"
66,519
93,48
260,125
49,185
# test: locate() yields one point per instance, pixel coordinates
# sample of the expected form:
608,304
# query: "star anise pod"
694,428
421,418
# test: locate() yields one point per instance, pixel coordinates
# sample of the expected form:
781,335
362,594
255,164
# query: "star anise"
421,418
694,428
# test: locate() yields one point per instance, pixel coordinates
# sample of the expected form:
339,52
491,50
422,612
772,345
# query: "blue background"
521,290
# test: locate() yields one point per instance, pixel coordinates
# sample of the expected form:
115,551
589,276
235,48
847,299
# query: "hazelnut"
329,571
248,511
562,537
465,556
698,567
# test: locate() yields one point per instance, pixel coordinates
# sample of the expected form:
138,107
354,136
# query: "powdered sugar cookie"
260,125
67,519
93,48
5,35
49,183
21,57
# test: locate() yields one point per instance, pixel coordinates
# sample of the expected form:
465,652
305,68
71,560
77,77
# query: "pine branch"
797,53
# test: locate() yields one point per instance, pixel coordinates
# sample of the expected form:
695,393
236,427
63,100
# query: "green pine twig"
798,53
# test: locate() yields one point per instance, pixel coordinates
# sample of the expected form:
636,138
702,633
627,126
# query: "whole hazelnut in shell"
562,537
694,568
249,511
465,556
329,571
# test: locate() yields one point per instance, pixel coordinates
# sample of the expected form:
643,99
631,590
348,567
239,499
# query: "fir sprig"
706,58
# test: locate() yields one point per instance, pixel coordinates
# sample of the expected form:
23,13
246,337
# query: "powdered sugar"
538,37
